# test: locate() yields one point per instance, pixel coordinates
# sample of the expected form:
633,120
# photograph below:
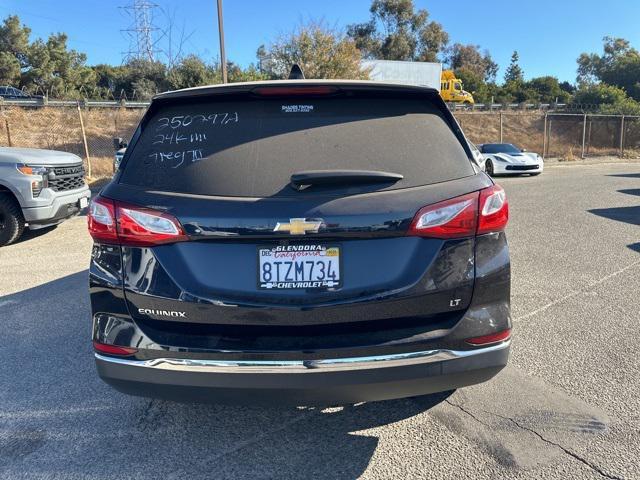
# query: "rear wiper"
342,177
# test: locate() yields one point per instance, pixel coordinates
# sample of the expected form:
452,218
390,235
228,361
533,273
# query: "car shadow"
59,420
621,214
32,234
625,175
630,191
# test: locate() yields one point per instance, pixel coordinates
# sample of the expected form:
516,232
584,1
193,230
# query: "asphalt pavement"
567,406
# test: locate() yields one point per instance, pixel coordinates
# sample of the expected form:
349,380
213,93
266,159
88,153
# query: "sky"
548,34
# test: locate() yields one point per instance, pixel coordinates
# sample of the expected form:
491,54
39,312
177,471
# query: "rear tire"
11,220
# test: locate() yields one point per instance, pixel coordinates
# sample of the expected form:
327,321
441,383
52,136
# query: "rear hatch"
296,202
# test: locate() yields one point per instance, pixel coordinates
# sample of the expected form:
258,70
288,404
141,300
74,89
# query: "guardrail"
549,107
455,107
45,102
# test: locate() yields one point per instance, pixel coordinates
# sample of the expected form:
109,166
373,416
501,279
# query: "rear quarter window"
251,147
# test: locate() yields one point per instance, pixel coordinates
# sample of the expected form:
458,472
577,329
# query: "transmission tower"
141,32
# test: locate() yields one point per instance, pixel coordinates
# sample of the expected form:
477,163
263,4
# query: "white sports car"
505,159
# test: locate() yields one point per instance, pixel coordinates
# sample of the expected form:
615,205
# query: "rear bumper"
318,382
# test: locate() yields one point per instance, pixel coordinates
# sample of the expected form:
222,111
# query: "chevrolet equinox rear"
300,242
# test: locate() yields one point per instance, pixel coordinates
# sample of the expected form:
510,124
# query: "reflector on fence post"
622,136
549,136
544,137
584,134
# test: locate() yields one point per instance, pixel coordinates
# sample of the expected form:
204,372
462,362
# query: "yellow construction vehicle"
451,89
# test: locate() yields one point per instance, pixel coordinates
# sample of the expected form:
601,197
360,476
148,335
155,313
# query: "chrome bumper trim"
300,366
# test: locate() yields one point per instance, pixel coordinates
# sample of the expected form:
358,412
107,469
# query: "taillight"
113,349
497,337
146,227
452,218
494,210
101,219
114,222
464,216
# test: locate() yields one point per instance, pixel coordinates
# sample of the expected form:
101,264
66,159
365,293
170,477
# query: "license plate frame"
302,252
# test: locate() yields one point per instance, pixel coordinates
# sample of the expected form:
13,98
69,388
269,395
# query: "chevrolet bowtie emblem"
298,226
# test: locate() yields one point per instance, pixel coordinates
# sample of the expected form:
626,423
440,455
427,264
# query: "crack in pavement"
145,414
593,467
461,407
564,449
573,293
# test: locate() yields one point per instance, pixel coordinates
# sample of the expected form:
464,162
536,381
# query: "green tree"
236,73
470,58
144,78
137,79
9,69
473,83
567,87
608,99
619,65
546,90
109,81
514,72
14,39
515,91
321,53
397,31
14,46
54,69
191,71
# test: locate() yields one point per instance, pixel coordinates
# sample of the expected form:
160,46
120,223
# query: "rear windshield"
251,148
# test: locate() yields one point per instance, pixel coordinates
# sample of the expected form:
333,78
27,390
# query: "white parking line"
576,292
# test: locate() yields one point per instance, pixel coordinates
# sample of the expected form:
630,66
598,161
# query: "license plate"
84,201
287,267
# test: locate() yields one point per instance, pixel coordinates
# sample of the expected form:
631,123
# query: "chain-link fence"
522,129
557,135
88,131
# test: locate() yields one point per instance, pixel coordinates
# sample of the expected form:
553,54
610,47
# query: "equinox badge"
299,226
162,313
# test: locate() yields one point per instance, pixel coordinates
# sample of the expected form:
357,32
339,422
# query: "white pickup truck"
38,188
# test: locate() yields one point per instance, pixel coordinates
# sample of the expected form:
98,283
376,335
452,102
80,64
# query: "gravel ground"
566,407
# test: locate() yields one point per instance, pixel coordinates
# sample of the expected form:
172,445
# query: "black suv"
304,242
